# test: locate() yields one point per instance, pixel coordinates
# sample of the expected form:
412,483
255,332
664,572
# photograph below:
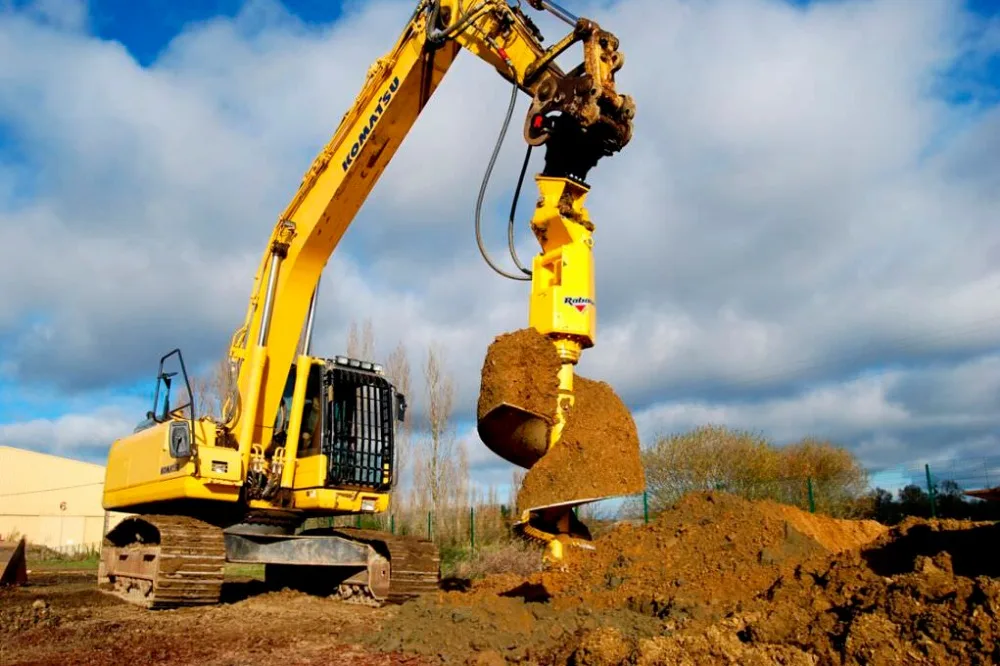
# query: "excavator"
301,436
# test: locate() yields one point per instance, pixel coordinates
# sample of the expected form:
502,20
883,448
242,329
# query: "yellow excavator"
302,436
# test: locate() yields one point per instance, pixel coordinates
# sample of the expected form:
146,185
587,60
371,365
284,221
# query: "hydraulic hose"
513,210
435,35
482,193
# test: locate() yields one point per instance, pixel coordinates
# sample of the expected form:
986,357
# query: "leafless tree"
210,389
516,479
397,369
441,471
361,345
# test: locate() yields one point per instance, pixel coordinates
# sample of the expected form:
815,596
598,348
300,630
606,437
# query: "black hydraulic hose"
482,193
435,35
513,210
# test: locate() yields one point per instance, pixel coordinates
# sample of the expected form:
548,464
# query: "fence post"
429,524
812,498
930,490
472,527
645,507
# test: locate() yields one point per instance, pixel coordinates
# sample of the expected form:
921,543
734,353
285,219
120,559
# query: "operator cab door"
310,430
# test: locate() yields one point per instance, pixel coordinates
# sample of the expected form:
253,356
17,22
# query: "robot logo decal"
581,303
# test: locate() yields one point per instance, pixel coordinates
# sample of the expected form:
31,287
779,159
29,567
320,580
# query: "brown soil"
596,456
925,593
598,452
521,368
713,580
61,620
701,558
700,562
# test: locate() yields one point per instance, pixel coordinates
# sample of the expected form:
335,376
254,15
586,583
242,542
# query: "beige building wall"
53,501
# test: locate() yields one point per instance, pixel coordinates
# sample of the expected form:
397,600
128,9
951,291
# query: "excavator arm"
577,116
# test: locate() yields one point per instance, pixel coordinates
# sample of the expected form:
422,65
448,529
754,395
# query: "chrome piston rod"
555,10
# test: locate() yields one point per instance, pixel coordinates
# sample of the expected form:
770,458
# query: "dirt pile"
598,452
698,564
925,593
17,618
506,629
698,559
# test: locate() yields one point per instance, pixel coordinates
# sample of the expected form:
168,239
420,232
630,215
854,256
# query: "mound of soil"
505,630
925,593
596,456
697,565
834,535
701,557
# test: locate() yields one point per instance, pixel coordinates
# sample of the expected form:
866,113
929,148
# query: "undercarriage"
164,561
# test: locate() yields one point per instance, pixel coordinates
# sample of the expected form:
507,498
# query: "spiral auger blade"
557,529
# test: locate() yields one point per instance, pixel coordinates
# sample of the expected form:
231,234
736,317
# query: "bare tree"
361,345
397,369
208,389
516,479
438,470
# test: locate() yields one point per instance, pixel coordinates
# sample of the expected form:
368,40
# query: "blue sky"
799,240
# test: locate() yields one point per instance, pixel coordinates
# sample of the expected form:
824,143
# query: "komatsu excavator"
302,436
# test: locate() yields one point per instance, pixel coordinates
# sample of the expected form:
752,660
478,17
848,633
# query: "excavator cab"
347,415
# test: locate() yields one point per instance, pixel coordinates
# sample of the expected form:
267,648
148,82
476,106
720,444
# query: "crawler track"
163,562
414,564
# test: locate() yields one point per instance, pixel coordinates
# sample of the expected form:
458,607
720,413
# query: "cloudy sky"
801,238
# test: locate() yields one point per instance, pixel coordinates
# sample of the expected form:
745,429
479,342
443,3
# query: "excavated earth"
598,453
719,580
713,580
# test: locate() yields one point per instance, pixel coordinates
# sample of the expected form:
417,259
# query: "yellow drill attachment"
527,393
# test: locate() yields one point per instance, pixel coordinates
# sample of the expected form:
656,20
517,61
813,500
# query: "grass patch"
255,571
513,557
63,565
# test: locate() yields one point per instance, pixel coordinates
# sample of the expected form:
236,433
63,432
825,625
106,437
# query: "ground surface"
59,619
715,580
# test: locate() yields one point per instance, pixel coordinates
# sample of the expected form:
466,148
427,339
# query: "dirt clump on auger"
521,368
597,454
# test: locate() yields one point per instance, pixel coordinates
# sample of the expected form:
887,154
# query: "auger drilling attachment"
527,400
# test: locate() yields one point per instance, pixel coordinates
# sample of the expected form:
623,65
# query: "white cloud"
70,434
891,417
796,206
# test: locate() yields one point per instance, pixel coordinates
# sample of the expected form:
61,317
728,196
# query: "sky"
800,239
